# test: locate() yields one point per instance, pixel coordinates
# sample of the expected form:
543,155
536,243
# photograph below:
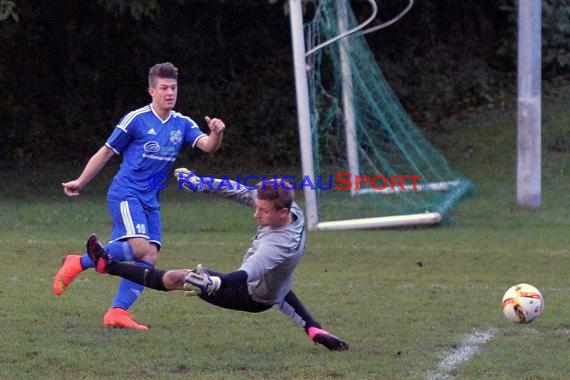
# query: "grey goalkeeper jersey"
274,252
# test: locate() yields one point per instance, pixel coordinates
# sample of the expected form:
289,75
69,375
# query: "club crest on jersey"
176,136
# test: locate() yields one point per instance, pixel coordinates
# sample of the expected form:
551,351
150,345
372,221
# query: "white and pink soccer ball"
522,303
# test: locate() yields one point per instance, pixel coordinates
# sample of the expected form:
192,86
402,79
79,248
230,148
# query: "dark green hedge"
70,69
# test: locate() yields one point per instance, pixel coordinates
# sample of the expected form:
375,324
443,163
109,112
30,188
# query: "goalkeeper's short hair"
279,191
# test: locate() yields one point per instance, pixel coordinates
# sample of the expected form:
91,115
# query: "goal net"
371,165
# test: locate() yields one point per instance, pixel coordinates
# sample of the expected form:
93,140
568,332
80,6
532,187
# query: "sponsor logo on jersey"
151,146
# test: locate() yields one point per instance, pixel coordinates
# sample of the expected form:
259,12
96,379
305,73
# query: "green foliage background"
70,70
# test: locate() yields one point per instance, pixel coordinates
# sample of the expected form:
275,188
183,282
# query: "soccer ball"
522,303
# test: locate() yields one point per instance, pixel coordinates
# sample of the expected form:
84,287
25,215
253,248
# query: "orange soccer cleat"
69,269
118,318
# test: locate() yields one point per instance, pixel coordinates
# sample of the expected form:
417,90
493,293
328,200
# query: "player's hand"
215,125
72,188
199,281
187,179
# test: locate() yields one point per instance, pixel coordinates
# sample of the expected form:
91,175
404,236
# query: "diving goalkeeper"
265,276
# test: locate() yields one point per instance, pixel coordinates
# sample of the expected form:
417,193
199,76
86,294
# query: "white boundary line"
468,347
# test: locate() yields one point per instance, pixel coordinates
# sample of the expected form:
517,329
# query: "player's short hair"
162,70
279,191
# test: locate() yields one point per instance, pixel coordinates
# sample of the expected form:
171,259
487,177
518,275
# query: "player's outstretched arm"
225,188
93,167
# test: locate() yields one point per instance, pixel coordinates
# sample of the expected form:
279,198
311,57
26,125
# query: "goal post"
351,121
348,107
303,108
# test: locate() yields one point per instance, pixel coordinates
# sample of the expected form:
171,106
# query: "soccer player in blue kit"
149,138
265,276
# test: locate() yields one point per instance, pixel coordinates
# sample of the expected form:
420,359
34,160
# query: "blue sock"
86,262
119,250
129,291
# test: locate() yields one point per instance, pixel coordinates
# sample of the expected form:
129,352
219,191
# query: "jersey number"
141,228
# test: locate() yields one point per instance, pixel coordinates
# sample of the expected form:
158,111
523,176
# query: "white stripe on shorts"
127,219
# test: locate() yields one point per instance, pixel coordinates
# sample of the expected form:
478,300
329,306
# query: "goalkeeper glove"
187,179
199,281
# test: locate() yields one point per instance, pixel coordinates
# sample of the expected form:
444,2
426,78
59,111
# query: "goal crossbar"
428,218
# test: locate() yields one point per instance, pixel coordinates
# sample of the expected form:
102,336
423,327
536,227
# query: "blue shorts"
131,220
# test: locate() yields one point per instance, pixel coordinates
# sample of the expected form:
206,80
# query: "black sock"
300,310
149,277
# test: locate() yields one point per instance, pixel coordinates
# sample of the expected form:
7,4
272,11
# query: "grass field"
413,303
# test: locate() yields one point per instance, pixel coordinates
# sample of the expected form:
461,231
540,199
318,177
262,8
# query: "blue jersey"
149,146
